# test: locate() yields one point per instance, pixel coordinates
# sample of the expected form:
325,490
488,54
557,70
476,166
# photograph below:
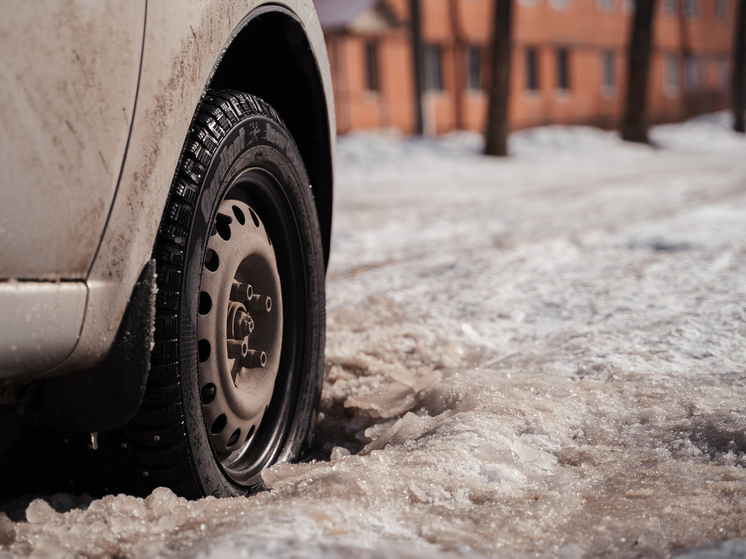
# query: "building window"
721,10
532,70
473,68
528,2
671,77
433,68
563,70
608,72
723,73
605,5
559,4
691,8
692,72
372,75
670,7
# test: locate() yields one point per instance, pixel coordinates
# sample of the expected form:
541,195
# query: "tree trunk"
418,65
634,124
497,115
739,67
459,54
688,103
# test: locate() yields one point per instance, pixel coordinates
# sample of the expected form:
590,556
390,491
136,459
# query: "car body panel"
183,43
46,326
69,71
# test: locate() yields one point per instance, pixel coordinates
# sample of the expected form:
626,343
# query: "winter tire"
237,366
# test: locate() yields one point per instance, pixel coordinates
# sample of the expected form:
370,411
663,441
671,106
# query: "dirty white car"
165,211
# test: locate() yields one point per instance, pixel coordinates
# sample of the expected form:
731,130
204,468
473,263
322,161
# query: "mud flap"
108,395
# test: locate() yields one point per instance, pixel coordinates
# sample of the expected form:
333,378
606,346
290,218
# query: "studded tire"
237,366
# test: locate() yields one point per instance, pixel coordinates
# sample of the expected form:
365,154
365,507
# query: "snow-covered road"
541,356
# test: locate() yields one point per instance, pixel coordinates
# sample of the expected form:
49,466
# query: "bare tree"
634,124
739,67
458,64
497,115
418,65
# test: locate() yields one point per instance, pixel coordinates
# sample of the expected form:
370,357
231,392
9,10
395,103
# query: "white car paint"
183,41
69,80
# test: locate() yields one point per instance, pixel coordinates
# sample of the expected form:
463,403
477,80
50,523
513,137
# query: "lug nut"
246,326
258,303
237,349
241,292
243,325
255,359
240,324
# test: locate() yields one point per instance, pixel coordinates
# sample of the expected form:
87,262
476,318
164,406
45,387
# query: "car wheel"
237,366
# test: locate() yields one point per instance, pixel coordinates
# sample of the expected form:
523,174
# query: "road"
537,356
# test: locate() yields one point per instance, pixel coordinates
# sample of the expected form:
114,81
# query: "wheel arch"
270,56
272,51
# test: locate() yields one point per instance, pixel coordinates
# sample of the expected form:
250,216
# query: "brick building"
568,62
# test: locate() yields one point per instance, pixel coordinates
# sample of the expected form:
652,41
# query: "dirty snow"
539,356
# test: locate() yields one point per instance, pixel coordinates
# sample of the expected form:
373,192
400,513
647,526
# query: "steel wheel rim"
239,330
265,201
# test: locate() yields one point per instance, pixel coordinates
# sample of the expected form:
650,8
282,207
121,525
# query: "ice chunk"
339,452
39,512
390,401
162,501
7,531
284,474
375,431
408,427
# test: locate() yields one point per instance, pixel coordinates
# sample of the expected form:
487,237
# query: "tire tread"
153,448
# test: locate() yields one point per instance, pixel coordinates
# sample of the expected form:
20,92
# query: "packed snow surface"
537,356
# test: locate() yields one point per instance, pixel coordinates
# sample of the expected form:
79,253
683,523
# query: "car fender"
180,58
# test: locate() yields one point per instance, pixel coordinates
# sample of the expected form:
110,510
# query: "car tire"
237,366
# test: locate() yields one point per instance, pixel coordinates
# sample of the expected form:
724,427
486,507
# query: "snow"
537,356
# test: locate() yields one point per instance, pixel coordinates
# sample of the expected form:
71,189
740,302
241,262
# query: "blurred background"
568,61
536,356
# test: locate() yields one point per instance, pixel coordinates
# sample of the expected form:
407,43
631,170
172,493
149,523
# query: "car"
166,184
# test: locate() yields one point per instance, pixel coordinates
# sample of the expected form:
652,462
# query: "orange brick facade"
568,64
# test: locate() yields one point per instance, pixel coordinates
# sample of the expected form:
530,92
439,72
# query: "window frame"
721,10
671,75
372,66
608,72
629,7
433,55
723,70
691,9
563,69
670,7
531,61
692,73
474,82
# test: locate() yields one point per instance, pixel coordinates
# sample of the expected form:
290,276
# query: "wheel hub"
239,329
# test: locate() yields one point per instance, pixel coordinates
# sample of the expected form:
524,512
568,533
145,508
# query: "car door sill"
39,325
